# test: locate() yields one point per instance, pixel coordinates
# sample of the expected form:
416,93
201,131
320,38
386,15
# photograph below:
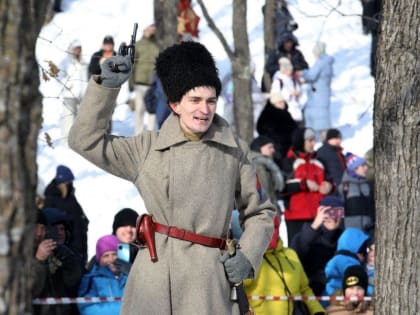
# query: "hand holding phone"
123,252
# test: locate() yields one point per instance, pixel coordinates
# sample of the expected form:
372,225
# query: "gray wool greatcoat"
190,185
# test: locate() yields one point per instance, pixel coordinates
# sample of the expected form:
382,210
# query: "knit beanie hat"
63,174
185,66
259,142
285,64
353,161
319,49
40,217
309,134
55,216
124,217
108,40
355,275
105,244
74,43
276,97
332,134
332,201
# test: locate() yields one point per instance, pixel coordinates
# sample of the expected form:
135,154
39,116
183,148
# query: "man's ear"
174,106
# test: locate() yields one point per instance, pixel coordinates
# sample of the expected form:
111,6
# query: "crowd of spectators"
324,196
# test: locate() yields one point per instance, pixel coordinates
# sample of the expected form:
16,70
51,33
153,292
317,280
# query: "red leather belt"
189,236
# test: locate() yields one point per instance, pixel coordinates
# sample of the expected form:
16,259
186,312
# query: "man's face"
61,233
196,109
331,224
335,142
288,45
268,150
126,234
108,47
309,145
77,51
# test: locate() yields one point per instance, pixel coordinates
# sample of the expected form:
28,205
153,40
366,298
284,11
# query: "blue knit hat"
353,161
63,174
332,201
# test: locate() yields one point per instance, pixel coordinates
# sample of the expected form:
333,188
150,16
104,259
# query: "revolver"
126,50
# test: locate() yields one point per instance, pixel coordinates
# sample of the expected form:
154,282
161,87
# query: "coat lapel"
171,134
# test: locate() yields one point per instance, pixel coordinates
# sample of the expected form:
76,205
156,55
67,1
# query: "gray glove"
122,266
237,267
111,77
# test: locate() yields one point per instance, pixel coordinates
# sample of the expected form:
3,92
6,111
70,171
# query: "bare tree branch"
334,9
216,30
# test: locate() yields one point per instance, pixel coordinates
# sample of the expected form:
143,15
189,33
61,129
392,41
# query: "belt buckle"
177,233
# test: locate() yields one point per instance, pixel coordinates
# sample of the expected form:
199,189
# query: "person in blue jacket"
351,250
103,280
319,76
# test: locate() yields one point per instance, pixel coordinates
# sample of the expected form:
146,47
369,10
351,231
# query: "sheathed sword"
237,292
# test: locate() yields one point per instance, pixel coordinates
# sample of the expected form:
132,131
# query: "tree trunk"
397,160
20,120
166,13
240,60
269,36
241,74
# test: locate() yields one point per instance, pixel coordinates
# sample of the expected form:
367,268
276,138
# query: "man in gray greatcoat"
191,174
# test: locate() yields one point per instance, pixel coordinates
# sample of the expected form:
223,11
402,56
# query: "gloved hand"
112,78
237,267
122,266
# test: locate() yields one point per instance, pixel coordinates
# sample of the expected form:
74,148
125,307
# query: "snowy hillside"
102,195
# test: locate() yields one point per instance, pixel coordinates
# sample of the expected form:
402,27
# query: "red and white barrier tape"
85,300
68,300
307,298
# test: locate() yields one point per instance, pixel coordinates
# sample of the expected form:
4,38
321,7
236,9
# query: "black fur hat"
185,66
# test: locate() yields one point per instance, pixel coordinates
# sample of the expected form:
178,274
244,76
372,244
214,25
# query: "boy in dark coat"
331,155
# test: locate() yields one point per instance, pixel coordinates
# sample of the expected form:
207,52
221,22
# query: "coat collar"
171,134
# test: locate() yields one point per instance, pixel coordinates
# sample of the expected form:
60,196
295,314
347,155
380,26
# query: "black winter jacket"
94,66
296,57
278,125
315,248
334,162
78,220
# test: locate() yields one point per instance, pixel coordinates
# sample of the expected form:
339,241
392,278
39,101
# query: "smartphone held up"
336,213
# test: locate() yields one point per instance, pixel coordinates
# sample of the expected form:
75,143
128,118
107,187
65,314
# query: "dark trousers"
294,227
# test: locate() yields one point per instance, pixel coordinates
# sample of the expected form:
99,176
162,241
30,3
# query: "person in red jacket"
306,182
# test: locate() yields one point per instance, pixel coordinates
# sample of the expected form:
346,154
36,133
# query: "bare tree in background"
269,36
166,12
240,61
20,120
397,159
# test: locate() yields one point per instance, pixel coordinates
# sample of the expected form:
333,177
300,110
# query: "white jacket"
73,74
285,85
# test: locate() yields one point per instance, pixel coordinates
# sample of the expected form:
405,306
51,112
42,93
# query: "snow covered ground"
102,195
